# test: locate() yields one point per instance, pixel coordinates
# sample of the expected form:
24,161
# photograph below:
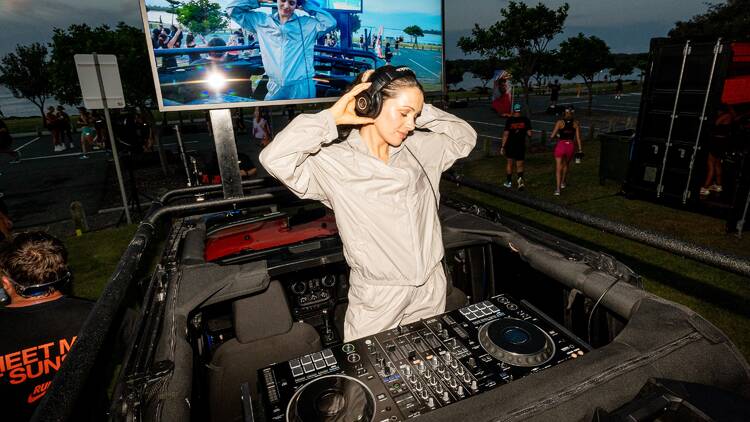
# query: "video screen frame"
434,88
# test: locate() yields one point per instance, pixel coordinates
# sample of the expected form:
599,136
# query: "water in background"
21,107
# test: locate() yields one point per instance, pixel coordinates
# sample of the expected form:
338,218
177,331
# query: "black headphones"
369,102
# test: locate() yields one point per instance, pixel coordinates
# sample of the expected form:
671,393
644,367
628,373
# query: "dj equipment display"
414,369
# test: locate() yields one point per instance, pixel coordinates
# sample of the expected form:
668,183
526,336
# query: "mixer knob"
431,402
474,385
460,390
467,378
447,376
433,382
472,362
439,388
381,362
421,367
441,369
454,364
370,346
444,333
412,379
387,370
448,357
419,386
428,375
460,370
435,362
407,370
424,395
446,397
453,383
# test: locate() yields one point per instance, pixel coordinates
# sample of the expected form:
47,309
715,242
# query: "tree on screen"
26,73
454,73
415,32
523,35
585,57
202,17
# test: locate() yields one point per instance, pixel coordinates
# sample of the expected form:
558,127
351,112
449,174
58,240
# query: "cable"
591,314
434,194
304,55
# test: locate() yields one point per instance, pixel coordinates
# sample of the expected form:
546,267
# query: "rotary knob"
446,397
453,383
407,370
448,357
424,394
454,364
421,367
460,370
466,378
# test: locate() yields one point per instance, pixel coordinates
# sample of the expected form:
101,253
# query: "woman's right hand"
343,109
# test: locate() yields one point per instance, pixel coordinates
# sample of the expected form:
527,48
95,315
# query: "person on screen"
378,166
287,42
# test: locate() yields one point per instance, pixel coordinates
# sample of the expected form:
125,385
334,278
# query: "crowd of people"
57,122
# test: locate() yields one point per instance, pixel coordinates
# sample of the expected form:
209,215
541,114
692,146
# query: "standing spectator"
65,132
618,89
101,140
88,130
517,128
190,43
717,148
6,141
261,129
52,122
388,53
361,41
395,45
570,131
554,94
40,324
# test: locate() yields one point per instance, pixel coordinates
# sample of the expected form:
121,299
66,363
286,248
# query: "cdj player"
413,369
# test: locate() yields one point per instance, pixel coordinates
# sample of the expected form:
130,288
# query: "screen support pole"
226,152
112,141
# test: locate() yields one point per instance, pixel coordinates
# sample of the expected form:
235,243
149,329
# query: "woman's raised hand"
343,109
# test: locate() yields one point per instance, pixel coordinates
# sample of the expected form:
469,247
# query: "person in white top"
381,179
261,130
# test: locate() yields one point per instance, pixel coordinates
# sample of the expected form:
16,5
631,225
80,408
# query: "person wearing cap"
569,131
517,128
39,322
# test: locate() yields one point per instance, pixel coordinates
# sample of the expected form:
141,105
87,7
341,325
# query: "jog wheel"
516,342
332,398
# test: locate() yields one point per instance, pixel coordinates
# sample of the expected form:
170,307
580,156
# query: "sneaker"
83,157
563,185
16,160
508,184
56,148
557,192
715,188
520,183
705,192
62,147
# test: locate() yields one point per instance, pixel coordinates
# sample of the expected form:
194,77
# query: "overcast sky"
626,25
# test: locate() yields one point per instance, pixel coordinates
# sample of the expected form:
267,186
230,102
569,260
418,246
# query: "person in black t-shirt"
554,94
39,325
517,128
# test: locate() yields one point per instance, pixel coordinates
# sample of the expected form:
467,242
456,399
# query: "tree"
414,31
484,70
728,20
202,17
622,65
585,57
522,34
548,65
26,73
454,73
125,42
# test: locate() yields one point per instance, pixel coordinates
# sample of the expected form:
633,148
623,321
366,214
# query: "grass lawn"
93,257
723,298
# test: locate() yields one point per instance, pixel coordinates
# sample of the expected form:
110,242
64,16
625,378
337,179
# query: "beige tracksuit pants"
374,308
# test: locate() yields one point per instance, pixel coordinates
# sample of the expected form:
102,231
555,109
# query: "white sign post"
101,87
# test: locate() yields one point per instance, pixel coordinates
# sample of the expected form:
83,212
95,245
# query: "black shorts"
515,150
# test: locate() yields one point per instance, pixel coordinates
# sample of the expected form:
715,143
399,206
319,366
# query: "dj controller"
413,369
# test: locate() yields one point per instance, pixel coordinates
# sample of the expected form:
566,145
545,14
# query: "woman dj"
381,179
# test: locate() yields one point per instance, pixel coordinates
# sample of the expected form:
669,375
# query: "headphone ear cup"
362,104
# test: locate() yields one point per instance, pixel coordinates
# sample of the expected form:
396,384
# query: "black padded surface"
262,315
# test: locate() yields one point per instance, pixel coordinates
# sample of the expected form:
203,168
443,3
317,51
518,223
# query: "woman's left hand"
343,110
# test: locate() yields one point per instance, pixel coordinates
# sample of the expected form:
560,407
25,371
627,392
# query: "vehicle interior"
255,303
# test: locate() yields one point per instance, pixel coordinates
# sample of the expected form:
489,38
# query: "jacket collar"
355,142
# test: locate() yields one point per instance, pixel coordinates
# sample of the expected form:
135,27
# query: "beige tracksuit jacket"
385,212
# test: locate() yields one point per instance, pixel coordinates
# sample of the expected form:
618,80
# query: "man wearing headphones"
39,323
287,42
376,157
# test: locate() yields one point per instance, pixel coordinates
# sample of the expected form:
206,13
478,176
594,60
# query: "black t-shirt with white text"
34,341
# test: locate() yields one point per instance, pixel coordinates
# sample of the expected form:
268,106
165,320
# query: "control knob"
431,402
424,394
421,367
453,383
454,364
328,281
407,370
467,378
446,397
370,346
448,357
474,385
447,376
460,390
433,382
299,287
419,386
460,370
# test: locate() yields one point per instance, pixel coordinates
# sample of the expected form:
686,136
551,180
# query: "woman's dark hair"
390,90
189,39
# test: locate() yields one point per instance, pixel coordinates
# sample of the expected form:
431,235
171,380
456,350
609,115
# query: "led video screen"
209,54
